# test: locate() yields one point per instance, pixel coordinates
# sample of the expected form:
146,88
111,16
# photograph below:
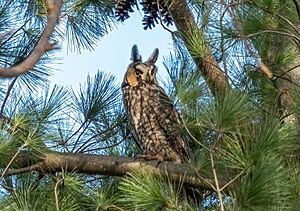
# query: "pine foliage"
248,138
154,12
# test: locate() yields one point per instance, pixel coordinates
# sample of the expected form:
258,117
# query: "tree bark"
114,166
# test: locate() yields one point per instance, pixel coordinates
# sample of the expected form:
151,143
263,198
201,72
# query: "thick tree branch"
113,166
206,62
42,46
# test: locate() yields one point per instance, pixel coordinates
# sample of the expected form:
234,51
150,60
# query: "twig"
79,136
160,19
206,180
14,32
287,79
95,135
111,206
289,22
231,181
281,17
56,194
80,127
8,189
193,137
264,68
7,95
81,150
218,190
42,46
223,51
34,167
287,71
274,31
12,160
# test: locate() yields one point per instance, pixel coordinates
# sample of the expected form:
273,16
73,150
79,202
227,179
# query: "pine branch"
42,46
263,67
114,166
205,61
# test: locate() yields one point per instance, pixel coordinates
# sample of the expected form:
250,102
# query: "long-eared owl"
151,114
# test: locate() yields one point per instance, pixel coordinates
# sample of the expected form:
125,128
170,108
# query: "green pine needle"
97,95
144,191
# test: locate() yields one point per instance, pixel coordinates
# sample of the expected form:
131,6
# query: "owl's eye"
137,72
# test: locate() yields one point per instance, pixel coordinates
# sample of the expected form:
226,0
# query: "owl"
151,114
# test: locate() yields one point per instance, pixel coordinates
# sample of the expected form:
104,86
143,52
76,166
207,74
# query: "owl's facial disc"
152,73
136,74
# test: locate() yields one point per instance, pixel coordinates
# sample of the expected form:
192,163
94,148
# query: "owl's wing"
169,119
134,133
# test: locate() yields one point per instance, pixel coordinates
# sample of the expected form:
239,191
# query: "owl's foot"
144,157
150,157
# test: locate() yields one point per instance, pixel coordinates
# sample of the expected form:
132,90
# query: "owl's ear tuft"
153,58
135,56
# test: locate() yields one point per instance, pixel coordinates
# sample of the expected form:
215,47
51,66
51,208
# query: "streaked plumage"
151,113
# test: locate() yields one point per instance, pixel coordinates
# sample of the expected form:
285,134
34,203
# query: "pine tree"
234,76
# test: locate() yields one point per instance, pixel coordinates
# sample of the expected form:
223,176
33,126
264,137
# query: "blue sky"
112,53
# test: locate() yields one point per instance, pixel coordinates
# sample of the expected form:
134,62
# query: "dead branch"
113,166
43,45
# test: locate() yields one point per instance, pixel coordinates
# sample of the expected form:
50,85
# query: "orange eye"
137,73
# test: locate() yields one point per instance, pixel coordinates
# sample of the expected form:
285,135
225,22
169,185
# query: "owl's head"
139,72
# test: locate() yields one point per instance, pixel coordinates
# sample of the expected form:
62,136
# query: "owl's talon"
150,157
145,157
157,163
140,157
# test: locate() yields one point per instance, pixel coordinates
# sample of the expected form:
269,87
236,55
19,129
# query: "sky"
112,53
